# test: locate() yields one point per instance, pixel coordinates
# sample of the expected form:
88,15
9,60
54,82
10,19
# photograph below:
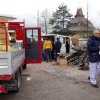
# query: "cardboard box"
62,61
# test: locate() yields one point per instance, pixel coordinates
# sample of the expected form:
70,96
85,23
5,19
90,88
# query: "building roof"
7,17
79,23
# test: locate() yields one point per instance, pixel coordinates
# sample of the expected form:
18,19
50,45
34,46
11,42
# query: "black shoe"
95,85
89,78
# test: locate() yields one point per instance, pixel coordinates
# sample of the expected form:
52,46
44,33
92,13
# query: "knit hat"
96,31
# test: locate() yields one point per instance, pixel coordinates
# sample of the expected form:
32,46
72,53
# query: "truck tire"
24,67
17,81
14,84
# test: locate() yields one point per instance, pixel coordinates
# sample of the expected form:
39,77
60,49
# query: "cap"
96,31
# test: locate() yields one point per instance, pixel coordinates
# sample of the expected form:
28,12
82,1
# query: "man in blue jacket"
93,50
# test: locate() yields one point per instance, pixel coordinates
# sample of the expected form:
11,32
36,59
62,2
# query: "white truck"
63,40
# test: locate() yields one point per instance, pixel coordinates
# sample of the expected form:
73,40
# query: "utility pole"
87,23
63,19
38,18
45,25
45,22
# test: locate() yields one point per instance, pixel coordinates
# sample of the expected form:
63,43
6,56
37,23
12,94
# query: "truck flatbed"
11,61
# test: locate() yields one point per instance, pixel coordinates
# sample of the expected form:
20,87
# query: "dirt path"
48,81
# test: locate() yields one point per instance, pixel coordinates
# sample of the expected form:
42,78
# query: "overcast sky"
27,9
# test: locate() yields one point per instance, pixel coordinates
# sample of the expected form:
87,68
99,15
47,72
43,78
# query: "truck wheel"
17,81
14,84
24,67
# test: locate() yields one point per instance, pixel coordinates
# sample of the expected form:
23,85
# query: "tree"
60,19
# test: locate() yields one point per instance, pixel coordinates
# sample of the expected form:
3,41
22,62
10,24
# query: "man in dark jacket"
67,47
57,47
93,50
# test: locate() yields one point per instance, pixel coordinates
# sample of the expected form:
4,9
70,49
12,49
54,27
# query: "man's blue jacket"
93,44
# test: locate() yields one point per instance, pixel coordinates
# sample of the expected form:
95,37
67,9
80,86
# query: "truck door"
33,52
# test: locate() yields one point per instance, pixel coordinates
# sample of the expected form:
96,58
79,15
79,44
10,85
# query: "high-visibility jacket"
47,44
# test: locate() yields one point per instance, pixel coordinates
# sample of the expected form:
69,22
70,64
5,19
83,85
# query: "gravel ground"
49,81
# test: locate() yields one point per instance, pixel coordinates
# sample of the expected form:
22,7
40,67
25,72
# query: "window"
32,35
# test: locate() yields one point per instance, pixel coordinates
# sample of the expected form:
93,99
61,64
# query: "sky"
27,9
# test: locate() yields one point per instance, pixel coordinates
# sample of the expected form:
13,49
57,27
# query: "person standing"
67,47
93,50
57,47
52,52
47,47
43,51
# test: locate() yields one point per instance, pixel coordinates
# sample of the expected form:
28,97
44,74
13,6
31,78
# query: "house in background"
80,25
81,28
